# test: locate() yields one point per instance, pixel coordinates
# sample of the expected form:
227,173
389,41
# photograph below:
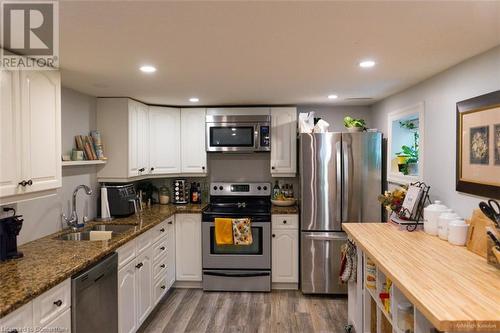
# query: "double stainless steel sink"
115,229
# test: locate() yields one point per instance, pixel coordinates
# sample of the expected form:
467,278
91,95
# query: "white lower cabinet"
188,247
285,249
50,310
171,252
144,264
127,298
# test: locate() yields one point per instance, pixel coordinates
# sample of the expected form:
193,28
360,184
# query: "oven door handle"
249,274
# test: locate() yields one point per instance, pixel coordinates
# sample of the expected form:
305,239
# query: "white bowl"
284,203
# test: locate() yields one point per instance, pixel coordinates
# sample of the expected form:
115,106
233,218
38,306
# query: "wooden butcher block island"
451,288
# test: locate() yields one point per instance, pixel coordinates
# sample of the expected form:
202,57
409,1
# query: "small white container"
431,217
457,232
444,219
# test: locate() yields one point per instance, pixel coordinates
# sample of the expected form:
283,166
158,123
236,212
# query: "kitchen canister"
443,221
431,217
457,232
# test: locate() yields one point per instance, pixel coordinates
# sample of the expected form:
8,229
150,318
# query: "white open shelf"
86,162
386,322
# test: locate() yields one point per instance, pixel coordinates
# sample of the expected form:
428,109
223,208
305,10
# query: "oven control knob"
265,188
221,188
259,188
215,188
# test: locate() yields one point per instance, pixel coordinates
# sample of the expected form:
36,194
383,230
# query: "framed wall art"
478,145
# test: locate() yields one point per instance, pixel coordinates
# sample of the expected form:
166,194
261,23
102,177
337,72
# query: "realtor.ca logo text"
29,37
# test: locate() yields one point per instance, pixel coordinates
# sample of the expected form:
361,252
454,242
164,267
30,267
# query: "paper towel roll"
105,214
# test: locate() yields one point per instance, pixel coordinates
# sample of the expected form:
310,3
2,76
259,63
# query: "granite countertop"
48,261
284,210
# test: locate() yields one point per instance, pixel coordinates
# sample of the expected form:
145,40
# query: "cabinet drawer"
160,248
285,221
160,266
158,231
51,304
143,242
60,324
159,289
126,253
20,320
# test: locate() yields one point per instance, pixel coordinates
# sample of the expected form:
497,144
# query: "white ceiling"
266,52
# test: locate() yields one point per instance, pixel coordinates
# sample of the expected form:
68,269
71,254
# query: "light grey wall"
334,115
43,216
476,76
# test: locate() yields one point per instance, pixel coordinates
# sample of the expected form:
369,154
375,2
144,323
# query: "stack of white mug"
441,221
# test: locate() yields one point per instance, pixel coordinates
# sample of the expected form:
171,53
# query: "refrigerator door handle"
346,180
327,237
338,186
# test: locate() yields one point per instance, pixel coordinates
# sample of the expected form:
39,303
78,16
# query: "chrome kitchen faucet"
73,220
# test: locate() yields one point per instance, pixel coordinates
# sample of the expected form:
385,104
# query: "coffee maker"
9,230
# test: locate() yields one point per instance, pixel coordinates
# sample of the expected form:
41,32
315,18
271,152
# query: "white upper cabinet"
30,132
193,150
283,141
10,139
164,140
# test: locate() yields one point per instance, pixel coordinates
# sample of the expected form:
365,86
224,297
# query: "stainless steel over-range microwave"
238,133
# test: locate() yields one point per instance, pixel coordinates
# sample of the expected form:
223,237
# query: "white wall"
334,114
43,216
476,76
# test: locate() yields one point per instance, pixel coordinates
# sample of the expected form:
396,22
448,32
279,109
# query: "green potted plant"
408,157
354,125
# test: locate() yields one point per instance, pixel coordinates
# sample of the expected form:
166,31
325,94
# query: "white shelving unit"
374,317
79,163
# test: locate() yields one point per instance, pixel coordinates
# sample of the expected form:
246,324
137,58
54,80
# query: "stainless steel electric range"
238,267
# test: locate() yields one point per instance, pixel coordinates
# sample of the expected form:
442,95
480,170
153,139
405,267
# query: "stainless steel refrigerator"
341,177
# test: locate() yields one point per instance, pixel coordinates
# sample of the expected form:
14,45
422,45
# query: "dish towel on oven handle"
242,232
223,231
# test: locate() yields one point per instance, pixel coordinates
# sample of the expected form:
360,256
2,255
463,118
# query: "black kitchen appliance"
122,199
238,267
9,230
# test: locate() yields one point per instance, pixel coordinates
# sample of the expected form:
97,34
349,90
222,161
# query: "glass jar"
164,195
405,317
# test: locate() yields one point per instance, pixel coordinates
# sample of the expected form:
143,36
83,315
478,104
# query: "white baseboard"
188,284
284,286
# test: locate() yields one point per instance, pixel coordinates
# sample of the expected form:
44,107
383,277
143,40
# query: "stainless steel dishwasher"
94,298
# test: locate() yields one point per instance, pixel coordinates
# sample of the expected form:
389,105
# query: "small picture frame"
478,145
411,200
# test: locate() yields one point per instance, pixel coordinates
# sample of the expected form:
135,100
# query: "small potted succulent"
354,125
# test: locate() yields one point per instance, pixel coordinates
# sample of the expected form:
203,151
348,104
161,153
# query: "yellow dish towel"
223,231
242,232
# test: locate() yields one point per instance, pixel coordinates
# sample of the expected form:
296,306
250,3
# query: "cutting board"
476,237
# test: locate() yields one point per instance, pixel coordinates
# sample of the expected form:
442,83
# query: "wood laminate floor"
192,310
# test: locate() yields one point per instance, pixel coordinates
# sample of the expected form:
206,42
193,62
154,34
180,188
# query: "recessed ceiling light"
147,69
333,96
367,64
194,99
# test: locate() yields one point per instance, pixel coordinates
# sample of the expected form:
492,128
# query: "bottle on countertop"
193,193
290,192
198,190
276,190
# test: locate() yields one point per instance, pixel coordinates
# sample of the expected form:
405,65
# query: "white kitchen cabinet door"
60,324
21,320
170,252
283,141
144,271
41,129
127,298
138,161
193,150
143,138
164,140
188,247
285,256
10,138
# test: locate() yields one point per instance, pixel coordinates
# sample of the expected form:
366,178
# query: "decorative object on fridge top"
321,126
478,145
354,125
348,262
306,122
492,210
